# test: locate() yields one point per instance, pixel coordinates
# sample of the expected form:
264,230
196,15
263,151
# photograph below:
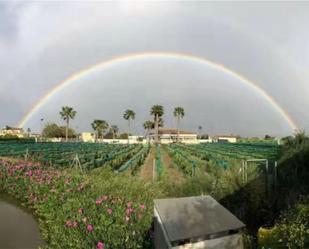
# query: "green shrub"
76,210
291,230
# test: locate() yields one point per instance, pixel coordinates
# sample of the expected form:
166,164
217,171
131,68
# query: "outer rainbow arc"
135,56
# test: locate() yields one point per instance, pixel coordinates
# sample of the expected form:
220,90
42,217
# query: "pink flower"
80,210
90,228
98,201
129,204
142,206
100,245
29,173
110,211
104,197
68,223
129,211
74,224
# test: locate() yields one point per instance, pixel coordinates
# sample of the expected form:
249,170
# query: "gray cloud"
47,42
8,23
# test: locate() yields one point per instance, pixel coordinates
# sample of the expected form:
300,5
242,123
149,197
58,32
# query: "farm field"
93,155
108,189
86,156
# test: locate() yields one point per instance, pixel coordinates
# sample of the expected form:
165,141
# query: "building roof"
230,136
170,131
195,218
12,128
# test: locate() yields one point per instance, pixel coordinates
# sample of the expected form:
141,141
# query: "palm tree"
200,130
66,114
114,130
99,127
148,125
157,111
129,115
179,113
28,132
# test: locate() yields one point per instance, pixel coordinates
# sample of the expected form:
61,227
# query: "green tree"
129,115
179,113
54,131
157,111
99,126
114,130
148,125
66,114
124,136
28,132
200,128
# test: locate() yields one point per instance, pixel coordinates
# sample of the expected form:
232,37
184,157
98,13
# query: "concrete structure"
12,131
225,139
209,140
195,222
168,136
89,138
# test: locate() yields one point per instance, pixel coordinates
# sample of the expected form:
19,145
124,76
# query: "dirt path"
147,168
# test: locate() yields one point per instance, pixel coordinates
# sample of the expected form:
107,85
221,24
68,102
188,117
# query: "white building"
168,136
12,131
225,139
88,137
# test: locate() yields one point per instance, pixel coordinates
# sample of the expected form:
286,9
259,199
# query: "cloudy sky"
43,43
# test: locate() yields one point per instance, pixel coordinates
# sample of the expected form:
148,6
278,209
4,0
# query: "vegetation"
54,131
95,213
66,155
105,209
148,125
179,113
157,111
99,127
67,113
15,139
129,115
114,131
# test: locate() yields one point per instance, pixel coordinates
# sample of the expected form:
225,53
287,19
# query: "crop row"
220,154
84,155
242,150
182,160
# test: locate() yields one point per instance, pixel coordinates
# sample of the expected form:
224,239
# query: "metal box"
195,222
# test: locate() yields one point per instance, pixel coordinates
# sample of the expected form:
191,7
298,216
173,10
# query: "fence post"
193,168
243,171
275,177
266,179
26,154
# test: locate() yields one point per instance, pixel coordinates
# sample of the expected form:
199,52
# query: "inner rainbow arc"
138,56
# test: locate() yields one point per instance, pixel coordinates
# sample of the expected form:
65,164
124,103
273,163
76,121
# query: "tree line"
102,129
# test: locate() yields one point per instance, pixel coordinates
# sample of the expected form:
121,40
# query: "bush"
83,211
291,230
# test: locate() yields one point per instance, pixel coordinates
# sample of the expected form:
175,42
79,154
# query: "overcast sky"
41,44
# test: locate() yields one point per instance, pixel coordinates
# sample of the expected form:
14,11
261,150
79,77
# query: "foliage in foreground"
100,210
291,231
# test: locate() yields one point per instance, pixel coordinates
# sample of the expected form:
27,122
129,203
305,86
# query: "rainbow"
138,56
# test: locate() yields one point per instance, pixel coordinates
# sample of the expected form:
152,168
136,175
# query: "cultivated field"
106,191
